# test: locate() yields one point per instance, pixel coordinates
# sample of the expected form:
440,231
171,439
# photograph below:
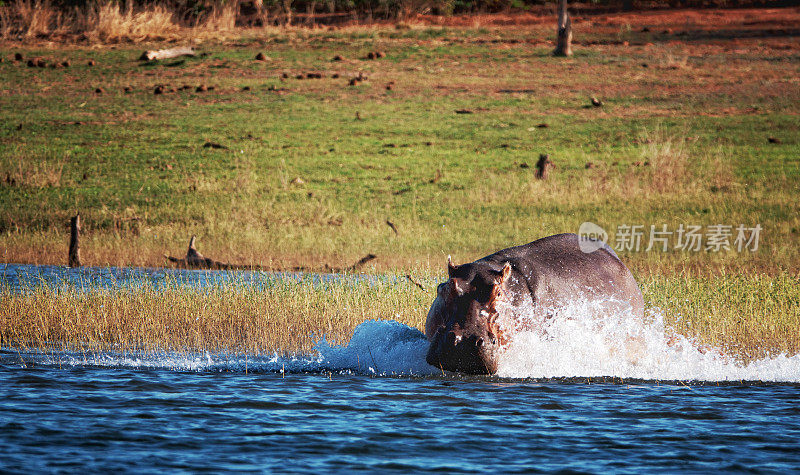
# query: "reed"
745,317
286,316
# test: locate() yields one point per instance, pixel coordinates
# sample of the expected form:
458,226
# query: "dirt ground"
713,22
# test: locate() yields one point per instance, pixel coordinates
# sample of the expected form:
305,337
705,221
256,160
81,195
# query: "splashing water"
382,347
624,346
567,346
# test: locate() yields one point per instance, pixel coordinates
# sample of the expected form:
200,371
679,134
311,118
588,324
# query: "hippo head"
464,334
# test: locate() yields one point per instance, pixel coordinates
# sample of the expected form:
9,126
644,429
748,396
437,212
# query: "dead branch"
195,260
415,282
361,262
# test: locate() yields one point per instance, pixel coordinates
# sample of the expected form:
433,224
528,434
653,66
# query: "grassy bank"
314,168
744,317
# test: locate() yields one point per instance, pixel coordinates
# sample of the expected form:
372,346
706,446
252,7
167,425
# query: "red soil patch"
707,19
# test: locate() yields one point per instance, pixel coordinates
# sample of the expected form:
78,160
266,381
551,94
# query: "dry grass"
670,57
19,171
112,23
747,317
220,19
39,19
668,160
287,317
30,19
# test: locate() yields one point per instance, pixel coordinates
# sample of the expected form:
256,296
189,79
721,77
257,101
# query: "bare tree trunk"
287,11
310,13
74,234
564,32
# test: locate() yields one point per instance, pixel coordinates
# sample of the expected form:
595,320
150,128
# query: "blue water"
126,419
22,277
374,405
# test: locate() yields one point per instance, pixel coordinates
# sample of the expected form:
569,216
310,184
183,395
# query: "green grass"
701,116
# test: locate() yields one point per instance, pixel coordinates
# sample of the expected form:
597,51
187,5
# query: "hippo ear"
504,274
451,268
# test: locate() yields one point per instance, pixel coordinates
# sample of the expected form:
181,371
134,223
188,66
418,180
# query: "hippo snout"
456,352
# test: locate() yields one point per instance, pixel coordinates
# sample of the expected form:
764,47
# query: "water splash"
383,347
624,346
568,345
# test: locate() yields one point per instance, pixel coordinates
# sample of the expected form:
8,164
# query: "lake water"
575,401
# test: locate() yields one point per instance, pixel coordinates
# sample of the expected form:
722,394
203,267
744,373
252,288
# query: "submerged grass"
285,316
746,318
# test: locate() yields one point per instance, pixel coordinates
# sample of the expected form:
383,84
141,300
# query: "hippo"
468,323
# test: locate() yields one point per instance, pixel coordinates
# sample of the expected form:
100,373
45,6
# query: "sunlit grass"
682,139
747,316
284,316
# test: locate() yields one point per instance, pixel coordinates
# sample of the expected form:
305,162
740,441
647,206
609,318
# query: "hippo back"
554,271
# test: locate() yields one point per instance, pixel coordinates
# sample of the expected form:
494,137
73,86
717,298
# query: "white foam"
568,345
383,347
625,346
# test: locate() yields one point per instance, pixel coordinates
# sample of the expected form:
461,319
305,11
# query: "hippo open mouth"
456,352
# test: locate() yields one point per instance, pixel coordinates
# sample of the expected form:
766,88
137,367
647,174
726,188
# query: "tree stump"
74,235
543,166
564,31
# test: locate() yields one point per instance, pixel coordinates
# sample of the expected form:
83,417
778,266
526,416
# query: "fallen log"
361,262
195,260
154,55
